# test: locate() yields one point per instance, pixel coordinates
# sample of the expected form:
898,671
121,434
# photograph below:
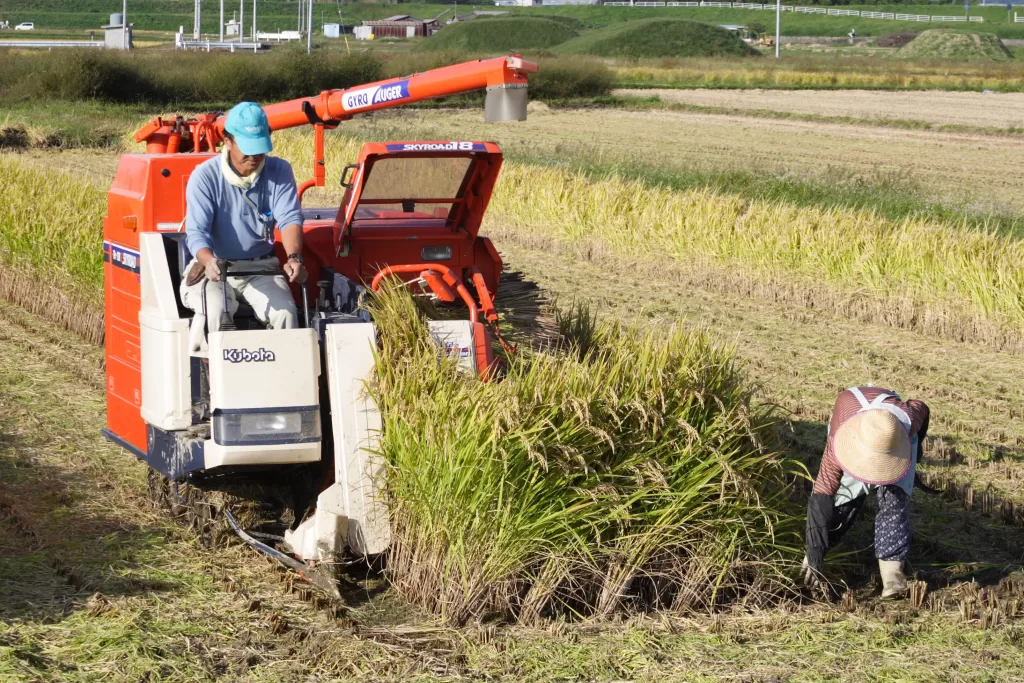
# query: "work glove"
213,270
812,566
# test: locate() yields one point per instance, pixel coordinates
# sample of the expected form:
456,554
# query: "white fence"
1017,20
803,9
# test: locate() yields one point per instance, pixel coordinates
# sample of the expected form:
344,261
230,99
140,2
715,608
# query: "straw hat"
873,446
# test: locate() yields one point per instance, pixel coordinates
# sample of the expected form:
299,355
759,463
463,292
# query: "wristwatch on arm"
296,257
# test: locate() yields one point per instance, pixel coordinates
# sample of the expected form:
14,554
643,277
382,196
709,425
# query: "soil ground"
996,110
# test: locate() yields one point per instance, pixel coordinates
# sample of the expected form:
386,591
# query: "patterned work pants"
892,524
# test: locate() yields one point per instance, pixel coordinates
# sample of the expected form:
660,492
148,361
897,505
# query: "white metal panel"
359,471
216,455
155,276
264,369
166,376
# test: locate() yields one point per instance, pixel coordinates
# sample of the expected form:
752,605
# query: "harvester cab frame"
282,417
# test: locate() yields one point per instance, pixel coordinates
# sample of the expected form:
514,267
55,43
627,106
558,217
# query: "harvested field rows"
955,166
939,107
97,587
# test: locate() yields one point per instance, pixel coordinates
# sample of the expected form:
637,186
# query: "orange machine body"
358,239
365,237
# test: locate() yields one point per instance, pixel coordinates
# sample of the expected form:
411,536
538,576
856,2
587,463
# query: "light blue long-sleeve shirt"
217,217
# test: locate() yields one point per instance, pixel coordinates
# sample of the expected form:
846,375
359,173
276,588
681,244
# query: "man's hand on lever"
209,262
295,271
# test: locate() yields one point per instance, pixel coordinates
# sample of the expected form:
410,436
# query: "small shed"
332,30
117,36
403,26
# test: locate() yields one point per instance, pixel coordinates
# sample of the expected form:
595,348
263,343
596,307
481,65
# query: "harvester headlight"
436,253
253,428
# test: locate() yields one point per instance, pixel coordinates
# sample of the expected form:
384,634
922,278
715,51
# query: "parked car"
25,26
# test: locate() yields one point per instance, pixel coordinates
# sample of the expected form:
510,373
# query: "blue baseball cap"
248,123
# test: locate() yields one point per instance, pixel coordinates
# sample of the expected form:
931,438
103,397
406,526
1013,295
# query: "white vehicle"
25,26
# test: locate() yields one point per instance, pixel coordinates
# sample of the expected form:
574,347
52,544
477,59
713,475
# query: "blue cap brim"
253,146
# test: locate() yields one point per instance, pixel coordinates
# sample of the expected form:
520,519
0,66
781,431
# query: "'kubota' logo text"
247,356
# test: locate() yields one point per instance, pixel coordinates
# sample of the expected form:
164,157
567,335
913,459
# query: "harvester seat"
180,257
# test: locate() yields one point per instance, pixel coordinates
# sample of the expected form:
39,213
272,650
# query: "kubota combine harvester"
282,416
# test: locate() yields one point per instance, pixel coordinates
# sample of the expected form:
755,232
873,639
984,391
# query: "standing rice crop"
971,281
630,468
51,245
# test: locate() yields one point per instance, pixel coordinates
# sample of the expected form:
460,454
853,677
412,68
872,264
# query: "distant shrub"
182,78
568,77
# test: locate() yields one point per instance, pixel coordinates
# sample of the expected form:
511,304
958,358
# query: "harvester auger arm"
504,78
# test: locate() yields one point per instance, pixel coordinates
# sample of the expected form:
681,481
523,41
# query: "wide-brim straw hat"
873,447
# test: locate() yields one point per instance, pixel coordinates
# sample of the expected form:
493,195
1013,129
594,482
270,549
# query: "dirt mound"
659,38
950,46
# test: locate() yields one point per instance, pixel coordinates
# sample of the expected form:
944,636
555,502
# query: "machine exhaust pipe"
506,103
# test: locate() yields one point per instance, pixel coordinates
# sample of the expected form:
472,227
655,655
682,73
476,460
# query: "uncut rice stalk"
600,458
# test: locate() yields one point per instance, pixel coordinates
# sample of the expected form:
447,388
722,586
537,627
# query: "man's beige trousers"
268,295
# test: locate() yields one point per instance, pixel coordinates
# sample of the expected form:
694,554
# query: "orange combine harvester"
281,416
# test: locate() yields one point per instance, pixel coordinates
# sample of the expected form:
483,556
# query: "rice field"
646,463
940,108
956,167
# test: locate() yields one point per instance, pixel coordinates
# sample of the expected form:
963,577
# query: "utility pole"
254,21
197,20
124,24
222,21
241,21
778,26
299,25
309,29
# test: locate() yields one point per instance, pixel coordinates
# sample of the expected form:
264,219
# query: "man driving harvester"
874,442
233,202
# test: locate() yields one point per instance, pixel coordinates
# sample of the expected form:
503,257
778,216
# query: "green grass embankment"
500,35
658,38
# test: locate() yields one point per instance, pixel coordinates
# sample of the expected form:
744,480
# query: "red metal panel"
149,190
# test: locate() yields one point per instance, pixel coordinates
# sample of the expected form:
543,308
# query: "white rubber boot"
894,582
